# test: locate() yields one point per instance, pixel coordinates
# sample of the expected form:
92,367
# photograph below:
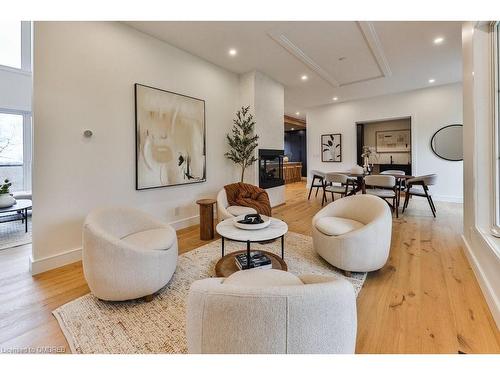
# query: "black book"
257,260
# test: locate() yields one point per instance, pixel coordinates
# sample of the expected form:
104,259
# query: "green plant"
5,187
242,141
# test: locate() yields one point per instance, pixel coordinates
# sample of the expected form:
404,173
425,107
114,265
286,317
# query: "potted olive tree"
6,199
242,141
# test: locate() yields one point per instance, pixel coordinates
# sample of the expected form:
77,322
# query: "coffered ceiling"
319,61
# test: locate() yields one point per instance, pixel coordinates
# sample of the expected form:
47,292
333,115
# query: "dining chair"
401,182
419,186
320,176
337,183
385,187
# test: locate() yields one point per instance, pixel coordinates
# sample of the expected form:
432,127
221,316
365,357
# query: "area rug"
12,234
94,326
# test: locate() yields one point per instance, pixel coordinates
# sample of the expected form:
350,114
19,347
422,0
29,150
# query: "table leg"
26,220
248,255
283,247
222,238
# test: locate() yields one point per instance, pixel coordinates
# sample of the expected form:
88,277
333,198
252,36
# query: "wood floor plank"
424,300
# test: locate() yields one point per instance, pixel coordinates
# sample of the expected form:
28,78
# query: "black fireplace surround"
271,168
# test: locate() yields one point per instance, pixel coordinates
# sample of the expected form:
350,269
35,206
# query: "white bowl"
267,221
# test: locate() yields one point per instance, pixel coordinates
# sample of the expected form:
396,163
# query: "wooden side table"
206,218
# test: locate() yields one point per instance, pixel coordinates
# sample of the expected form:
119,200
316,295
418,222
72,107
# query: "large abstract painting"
331,147
170,138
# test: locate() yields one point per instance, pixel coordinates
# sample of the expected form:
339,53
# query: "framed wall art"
170,138
393,141
331,147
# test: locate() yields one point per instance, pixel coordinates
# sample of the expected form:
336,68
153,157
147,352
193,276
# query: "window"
10,40
15,139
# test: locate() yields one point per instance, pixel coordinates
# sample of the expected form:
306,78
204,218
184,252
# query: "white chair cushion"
153,239
240,210
383,193
337,189
269,277
337,226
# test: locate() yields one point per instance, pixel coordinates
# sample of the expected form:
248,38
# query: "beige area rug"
94,326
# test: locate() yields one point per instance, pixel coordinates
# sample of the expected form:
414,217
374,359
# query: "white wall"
430,109
267,99
482,248
84,75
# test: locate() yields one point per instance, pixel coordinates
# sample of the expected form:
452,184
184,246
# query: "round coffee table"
227,230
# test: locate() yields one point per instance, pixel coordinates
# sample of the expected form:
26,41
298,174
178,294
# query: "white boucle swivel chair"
225,211
269,312
127,254
354,233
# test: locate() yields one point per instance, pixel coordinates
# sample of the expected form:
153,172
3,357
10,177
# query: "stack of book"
257,260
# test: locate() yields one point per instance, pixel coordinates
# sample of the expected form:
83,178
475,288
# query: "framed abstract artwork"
170,138
388,141
331,147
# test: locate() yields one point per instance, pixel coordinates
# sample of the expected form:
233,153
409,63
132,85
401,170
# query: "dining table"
361,186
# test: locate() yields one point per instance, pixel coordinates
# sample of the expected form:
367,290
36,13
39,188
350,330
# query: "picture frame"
331,148
393,141
170,138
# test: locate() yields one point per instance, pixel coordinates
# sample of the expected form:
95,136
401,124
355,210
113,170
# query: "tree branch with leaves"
242,141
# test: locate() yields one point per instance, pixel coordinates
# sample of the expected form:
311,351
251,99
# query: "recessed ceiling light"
439,40
303,78
297,113
233,52
335,98
432,80
292,129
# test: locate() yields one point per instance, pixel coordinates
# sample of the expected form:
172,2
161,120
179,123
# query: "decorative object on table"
331,147
447,144
366,153
206,218
258,259
252,221
357,170
6,199
286,159
248,195
392,141
242,141
170,138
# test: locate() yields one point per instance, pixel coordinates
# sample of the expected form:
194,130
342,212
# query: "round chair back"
393,171
380,181
336,178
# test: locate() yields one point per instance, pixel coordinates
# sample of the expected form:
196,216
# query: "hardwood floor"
425,300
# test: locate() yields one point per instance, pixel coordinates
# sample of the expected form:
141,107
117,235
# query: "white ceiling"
349,60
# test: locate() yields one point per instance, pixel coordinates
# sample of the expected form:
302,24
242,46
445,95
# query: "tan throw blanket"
241,194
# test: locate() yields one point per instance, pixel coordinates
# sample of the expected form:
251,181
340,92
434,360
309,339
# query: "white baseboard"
71,256
486,287
448,198
184,223
55,261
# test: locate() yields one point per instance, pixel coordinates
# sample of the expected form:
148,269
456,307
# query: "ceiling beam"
294,121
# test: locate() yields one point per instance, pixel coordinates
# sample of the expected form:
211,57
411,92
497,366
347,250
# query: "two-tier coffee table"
227,230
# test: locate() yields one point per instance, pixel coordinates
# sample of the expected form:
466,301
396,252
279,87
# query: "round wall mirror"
447,142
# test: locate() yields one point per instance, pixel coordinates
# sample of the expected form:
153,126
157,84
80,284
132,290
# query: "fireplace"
270,168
